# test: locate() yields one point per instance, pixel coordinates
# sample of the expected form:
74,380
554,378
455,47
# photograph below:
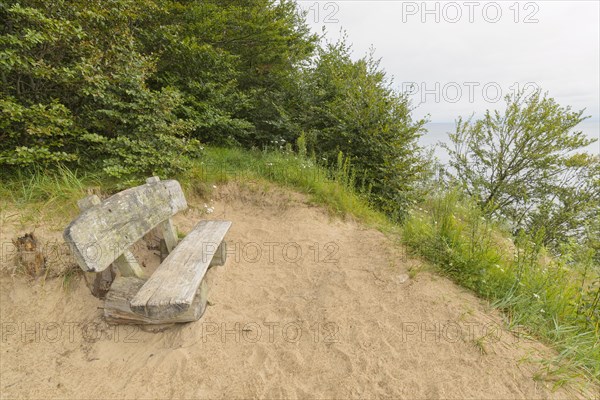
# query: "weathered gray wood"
164,252
128,265
167,229
98,283
171,289
169,234
220,255
176,292
103,232
125,263
88,202
117,310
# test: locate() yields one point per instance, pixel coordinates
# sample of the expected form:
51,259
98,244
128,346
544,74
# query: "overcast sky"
475,49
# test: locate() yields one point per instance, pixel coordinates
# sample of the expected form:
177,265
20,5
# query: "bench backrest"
104,231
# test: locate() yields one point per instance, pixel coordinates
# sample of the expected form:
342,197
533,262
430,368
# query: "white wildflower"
537,296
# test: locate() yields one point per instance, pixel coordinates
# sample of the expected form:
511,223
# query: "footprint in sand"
258,356
341,360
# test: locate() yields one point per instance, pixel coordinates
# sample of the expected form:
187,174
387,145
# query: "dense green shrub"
351,108
74,91
236,63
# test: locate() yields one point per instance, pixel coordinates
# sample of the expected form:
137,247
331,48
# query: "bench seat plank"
171,289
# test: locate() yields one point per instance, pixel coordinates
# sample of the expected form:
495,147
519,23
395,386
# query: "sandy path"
336,322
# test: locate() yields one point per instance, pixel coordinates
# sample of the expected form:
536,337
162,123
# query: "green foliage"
184,37
39,134
132,87
74,91
554,298
43,195
235,62
352,109
524,165
273,43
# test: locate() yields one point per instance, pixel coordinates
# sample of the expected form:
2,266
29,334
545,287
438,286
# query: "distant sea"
438,132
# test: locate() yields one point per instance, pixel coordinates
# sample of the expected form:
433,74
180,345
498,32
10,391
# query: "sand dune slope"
307,306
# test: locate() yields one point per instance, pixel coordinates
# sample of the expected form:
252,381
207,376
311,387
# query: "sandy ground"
307,306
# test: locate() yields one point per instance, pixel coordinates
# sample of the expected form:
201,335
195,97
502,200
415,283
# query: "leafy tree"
352,109
526,165
235,62
182,37
273,43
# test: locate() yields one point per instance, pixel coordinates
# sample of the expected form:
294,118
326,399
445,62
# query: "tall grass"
47,192
56,192
553,298
329,187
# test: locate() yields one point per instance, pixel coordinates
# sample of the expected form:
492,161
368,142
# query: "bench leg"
99,282
169,234
117,309
220,255
129,266
164,251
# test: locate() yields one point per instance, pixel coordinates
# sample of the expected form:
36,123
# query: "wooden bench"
100,239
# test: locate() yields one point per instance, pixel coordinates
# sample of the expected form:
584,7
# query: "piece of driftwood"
104,231
117,310
30,255
171,289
